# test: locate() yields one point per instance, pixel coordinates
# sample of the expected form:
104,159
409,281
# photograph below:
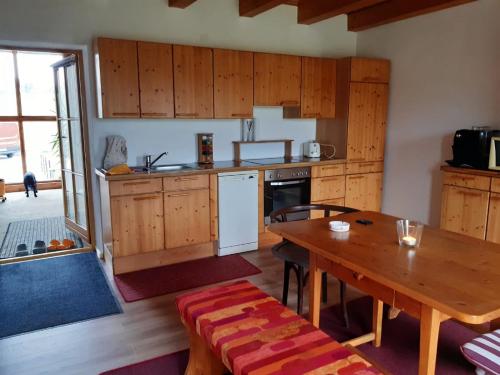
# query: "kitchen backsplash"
178,137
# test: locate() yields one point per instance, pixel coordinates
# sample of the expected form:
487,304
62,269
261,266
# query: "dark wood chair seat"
296,258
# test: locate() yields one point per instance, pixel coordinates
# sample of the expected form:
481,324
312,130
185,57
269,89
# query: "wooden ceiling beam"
312,11
396,10
180,3
251,8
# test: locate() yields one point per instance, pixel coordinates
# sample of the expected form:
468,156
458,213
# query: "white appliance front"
238,212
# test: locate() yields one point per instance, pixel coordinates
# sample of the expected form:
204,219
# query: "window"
28,128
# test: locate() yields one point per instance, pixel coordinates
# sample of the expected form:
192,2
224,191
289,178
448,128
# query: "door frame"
79,56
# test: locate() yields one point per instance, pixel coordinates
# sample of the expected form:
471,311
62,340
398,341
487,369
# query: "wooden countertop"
477,172
219,167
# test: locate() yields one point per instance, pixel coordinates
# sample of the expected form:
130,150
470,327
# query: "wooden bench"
238,327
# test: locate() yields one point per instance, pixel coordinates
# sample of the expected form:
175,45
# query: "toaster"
312,150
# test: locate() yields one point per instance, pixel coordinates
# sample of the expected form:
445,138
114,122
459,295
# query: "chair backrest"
281,214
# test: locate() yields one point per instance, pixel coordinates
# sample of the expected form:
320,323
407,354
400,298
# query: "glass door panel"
42,150
11,164
8,104
71,145
36,83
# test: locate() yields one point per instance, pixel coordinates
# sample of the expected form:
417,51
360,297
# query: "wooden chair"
297,257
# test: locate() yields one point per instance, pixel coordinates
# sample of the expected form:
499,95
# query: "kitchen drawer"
326,188
495,185
335,202
192,182
328,170
467,180
364,167
142,186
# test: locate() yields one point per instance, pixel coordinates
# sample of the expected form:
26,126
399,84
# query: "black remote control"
364,221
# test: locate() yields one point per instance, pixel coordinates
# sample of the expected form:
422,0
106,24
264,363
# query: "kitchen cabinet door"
367,121
464,210
156,80
326,188
493,231
277,80
318,87
370,70
117,78
193,82
187,218
316,214
364,191
137,224
233,83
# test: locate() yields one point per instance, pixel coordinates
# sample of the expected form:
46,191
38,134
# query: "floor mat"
50,292
28,231
153,282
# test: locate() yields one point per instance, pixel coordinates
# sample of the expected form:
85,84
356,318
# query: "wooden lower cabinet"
187,218
465,210
493,231
364,191
137,222
326,188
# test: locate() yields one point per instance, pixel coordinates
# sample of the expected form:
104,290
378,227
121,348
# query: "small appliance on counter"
312,149
205,148
472,147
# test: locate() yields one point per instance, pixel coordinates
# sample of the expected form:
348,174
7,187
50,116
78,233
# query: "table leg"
314,290
378,310
430,321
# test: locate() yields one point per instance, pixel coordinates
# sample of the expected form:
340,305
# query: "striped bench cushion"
253,333
484,352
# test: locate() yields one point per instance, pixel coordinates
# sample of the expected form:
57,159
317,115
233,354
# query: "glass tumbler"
409,232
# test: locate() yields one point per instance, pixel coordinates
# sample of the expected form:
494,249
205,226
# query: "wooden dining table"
449,276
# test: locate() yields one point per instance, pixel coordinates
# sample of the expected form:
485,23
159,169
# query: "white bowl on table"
339,226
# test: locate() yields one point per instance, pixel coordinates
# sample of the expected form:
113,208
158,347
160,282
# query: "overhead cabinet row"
157,80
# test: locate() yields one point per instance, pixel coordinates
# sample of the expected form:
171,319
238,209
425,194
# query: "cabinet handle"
331,178
178,195
136,183
186,178
356,177
154,114
241,115
125,113
289,103
186,114
495,198
359,159
311,115
150,198
332,167
470,193
465,178
367,165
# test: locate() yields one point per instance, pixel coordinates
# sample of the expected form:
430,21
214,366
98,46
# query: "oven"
287,187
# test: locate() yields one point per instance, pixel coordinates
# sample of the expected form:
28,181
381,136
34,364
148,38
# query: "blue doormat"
50,292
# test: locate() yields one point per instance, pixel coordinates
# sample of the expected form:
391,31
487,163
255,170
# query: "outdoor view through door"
42,142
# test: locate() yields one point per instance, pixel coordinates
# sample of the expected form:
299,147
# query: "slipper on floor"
40,247
22,250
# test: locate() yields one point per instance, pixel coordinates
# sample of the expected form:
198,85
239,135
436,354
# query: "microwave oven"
495,154
471,148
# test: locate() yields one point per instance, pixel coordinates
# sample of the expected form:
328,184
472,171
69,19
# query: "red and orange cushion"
252,333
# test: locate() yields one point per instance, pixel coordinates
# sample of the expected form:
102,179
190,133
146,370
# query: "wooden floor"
146,329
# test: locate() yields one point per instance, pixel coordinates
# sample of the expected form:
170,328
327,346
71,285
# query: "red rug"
398,353
153,282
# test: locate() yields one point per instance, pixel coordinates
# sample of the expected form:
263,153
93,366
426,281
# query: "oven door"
281,194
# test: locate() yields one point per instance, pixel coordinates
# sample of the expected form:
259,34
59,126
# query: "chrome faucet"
149,163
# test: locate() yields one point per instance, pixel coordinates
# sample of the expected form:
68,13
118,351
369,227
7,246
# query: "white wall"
445,76
214,23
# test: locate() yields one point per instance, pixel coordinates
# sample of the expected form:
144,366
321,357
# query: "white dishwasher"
238,212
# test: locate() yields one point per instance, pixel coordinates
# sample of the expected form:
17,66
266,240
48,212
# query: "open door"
71,145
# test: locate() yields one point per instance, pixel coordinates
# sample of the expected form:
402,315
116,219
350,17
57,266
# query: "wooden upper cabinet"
318,87
193,82
233,83
277,80
117,78
370,70
156,81
367,121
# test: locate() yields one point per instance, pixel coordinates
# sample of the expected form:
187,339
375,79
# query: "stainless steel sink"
163,168
167,168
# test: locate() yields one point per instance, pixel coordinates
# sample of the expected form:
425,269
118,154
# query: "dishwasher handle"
286,183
